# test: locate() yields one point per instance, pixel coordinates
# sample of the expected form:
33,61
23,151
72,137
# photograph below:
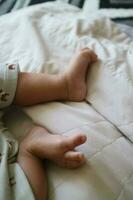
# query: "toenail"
83,138
80,157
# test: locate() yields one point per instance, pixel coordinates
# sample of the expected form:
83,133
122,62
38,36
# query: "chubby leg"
38,145
34,170
36,88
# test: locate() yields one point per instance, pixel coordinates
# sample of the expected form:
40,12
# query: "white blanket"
44,38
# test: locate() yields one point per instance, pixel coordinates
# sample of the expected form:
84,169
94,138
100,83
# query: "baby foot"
57,148
76,74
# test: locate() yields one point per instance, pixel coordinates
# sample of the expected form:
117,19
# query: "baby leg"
38,145
71,85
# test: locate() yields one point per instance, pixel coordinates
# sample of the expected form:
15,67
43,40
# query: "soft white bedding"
43,38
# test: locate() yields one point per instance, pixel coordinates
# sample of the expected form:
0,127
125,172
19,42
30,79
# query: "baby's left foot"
76,75
57,148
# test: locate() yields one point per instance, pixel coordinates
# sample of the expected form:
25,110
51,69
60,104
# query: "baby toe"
74,159
94,57
74,141
74,156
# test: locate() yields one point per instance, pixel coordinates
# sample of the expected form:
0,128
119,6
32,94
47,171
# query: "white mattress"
43,38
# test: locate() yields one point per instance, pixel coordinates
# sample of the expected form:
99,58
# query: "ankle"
63,82
27,144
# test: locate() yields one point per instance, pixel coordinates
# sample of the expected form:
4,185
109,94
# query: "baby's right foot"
77,72
57,148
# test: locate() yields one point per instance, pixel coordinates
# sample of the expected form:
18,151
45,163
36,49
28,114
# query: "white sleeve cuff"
8,83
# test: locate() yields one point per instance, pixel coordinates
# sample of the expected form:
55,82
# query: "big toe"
74,141
90,54
94,57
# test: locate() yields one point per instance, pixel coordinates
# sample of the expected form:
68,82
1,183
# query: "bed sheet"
106,114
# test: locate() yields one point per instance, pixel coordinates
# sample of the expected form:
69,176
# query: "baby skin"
39,144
